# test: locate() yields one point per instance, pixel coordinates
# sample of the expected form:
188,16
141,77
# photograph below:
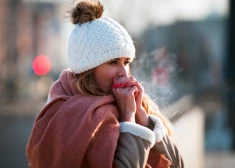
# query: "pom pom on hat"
96,39
86,11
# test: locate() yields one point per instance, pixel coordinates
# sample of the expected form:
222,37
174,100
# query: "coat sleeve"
169,149
133,146
164,145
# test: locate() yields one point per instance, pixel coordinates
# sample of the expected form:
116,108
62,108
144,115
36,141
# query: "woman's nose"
123,71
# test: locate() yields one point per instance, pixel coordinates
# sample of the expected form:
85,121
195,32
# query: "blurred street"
16,123
15,131
220,160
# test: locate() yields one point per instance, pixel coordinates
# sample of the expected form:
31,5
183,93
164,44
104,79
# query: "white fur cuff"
159,129
139,131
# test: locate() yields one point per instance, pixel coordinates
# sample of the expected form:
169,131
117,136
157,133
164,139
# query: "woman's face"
106,72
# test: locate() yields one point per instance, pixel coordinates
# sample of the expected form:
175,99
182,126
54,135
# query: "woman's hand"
142,117
125,99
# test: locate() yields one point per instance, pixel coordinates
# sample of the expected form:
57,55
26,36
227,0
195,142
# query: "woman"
98,114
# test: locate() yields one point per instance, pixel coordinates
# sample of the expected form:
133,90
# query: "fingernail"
120,85
126,84
115,86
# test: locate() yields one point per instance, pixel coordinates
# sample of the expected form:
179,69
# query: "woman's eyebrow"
116,59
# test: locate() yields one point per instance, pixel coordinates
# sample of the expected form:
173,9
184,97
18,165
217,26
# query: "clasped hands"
128,94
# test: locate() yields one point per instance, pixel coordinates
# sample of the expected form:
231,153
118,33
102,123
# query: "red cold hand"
126,84
119,85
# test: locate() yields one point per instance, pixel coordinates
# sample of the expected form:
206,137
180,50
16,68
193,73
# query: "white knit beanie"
96,42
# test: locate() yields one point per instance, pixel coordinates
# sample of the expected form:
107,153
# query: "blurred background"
184,59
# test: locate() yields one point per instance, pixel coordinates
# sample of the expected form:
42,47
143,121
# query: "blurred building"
28,29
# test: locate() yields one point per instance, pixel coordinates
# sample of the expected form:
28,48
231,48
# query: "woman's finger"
133,90
122,81
135,83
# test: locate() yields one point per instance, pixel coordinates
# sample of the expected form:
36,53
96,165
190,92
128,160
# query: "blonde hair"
87,85
152,108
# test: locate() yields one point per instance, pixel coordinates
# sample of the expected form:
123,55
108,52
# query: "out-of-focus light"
41,65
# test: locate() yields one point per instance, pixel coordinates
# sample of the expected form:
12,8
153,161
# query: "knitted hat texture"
94,43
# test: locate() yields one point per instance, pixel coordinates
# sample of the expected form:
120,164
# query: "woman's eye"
127,62
113,62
